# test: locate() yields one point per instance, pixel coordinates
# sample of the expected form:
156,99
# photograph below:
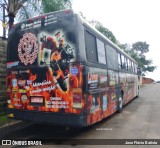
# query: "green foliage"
106,32
4,120
53,5
33,8
123,47
141,47
137,52
29,9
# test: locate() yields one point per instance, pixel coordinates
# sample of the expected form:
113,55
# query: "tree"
31,8
54,5
141,47
12,7
3,18
137,52
106,32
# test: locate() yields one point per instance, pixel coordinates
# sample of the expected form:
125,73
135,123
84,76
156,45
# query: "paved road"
140,119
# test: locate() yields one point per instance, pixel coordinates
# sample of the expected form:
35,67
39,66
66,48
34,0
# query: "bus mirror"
139,71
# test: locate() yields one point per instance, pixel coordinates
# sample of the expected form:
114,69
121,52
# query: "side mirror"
139,71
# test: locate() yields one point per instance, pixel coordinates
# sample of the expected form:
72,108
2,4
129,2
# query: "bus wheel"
137,93
120,103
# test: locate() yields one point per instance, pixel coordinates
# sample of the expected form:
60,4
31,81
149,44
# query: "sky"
129,20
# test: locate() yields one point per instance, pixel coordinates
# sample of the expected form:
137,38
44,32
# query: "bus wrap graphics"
28,48
51,88
61,70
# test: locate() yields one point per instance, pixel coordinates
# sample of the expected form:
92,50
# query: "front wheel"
120,103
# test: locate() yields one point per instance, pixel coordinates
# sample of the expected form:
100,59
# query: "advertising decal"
28,48
54,82
102,100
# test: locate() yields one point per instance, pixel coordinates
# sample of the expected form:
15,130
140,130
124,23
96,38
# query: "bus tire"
120,103
137,93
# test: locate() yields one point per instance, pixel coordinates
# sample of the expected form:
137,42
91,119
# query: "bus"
61,70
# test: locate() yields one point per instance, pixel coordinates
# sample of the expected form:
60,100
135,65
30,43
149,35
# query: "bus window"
91,48
136,68
129,65
112,57
132,66
126,63
119,61
101,52
123,62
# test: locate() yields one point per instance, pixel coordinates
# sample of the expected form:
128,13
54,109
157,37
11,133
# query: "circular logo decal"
74,71
28,48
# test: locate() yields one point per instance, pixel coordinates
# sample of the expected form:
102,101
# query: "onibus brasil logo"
28,48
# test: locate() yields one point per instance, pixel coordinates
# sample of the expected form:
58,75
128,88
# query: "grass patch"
4,119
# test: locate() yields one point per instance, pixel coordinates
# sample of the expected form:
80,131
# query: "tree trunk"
4,22
11,20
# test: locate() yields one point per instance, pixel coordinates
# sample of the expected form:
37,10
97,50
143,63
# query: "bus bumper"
62,119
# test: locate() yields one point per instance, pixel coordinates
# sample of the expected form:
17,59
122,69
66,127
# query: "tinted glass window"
126,64
101,52
119,61
91,47
129,65
136,66
112,57
132,67
123,62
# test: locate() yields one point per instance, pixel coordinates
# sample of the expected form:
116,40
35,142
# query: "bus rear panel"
44,80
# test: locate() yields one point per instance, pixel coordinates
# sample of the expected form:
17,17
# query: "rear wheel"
120,103
137,93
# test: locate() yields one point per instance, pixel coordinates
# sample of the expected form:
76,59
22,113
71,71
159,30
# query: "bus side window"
136,69
132,66
119,61
126,63
123,62
112,57
129,65
101,52
91,47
